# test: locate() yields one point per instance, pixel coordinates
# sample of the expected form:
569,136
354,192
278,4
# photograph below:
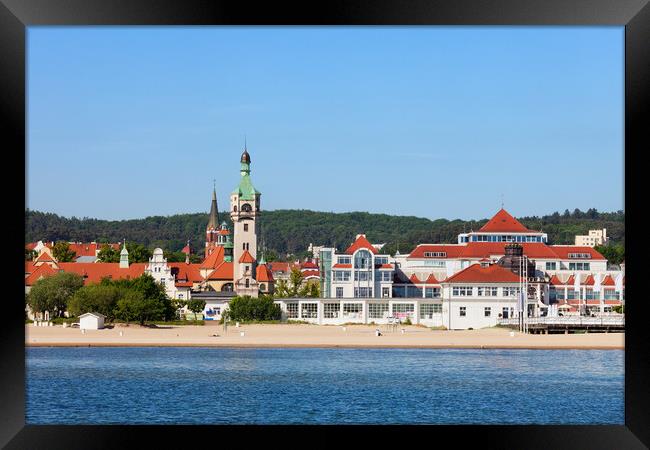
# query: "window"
611,294
462,291
162,280
432,292
571,294
309,310
579,256
385,292
362,275
332,310
551,266
262,287
435,263
243,246
487,291
590,295
362,292
435,254
245,227
403,310
377,310
248,283
180,296
246,207
341,275
352,310
427,310
511,291
381,260
385,275
579,266
487,311
559,294
462,311
247,268
292,310
339,292
344,260
362,259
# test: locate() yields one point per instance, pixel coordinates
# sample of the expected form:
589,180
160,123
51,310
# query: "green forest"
289,232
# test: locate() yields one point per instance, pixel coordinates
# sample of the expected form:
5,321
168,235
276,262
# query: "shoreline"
315,336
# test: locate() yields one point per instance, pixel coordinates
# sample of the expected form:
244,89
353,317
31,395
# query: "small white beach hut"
91,321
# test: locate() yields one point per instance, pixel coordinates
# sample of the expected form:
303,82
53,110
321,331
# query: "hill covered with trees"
291,231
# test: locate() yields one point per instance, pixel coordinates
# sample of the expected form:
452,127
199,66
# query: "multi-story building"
359,272
595,237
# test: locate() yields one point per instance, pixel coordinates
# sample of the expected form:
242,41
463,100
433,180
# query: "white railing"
567,320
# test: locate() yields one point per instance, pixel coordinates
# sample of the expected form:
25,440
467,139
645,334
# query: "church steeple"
213,222
124,257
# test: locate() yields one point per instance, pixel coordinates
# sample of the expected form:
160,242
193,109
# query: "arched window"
246,207
235,208
362,260
226,287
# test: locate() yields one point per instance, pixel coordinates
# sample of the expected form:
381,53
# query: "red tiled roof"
189,272
342,266
431,280
589,281
214,259
571,280
360,242
309,265
414,279
556,281
482,250
608,281
504,222
186,250
45,257
311,273
279,266
490,274
223,272
562,251
263,273
94,272
41,271
384,266
184,284
246,257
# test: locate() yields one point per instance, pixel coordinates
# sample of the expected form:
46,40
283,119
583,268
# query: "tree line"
288,233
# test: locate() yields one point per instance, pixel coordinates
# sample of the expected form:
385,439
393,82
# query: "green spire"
245,190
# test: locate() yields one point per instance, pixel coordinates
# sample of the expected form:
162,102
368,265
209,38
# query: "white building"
162,273
359,272
91,321
595,237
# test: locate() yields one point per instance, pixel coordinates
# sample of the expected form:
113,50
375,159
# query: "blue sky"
437,122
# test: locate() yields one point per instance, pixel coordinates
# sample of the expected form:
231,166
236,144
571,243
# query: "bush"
407,321
246,308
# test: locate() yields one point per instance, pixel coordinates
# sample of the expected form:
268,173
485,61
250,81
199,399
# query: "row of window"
484,291
589,294
504,238
355,310
572,266
361,275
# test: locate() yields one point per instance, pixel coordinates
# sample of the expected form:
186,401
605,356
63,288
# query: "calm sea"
318,386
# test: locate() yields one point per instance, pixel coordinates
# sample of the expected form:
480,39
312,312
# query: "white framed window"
331,310
292,310
511,291
344,260
551,266
363,292
352,310
431,292
435,254
385,292
385,275
487,311
309,310
377,310
487,291
462,311
427,310
341,275
462,291
404,310
339,292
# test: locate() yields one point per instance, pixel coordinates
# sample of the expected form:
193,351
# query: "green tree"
295,282
314,290
53,293
138,253
96,298
107,254
246,308
179,304
196,306
281,289
62,253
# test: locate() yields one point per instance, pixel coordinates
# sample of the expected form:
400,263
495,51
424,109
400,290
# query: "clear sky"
437,122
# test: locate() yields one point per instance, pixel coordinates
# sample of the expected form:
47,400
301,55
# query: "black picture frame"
16,15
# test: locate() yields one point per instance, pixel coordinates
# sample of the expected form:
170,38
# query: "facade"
359,272
595,237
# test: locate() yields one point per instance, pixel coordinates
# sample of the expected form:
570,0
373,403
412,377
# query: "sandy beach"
312,336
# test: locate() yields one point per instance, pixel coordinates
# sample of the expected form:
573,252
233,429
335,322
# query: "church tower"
213,223
245,212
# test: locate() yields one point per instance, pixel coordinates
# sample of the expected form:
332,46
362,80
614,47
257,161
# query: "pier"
568,324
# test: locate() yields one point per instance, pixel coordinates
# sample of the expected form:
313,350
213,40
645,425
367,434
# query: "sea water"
176,385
